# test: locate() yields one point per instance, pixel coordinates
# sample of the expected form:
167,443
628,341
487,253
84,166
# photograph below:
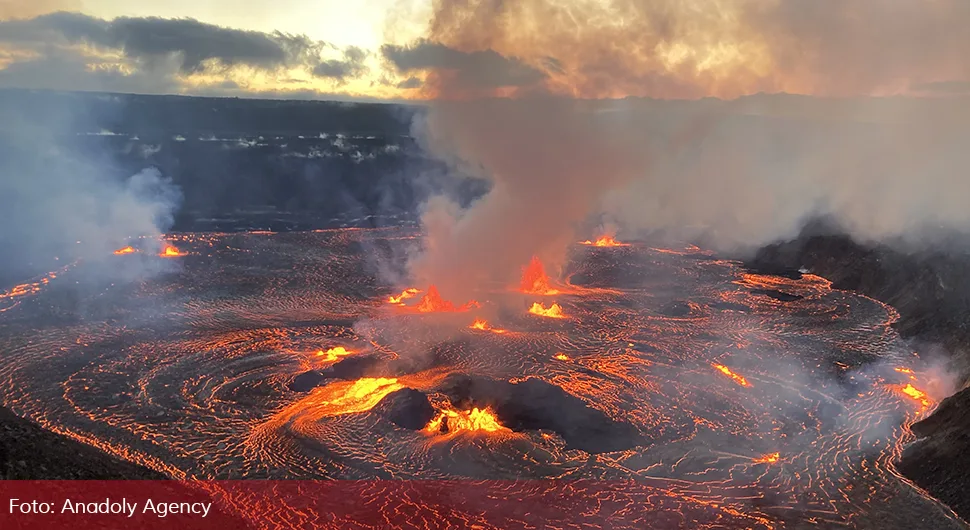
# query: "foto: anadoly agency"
129,509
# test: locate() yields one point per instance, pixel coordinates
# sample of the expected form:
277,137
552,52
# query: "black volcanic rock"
356,367
27,451
306,381
407,408
676,309
348,369
534,404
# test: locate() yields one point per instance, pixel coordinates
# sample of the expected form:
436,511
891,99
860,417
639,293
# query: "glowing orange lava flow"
476,419
916,394
126,250
770,458
605,241
554,311
534,279
906,371
359,396
561,357
334,353
483,325
171,252
405,294
727,371
27,289
432,302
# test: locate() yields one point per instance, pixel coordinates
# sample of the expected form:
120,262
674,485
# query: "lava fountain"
605,241
334,354
450,420
554,311
482,325
170,251
534,279
432,302
405,294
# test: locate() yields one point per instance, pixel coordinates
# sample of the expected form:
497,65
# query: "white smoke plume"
63,199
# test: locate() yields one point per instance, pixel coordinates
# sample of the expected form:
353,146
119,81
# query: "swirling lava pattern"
759,401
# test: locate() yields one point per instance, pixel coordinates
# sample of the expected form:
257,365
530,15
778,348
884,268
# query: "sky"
359,23
427,49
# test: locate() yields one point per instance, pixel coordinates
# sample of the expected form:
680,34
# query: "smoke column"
549,160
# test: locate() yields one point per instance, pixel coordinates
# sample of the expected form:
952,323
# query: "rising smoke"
62,198
735,174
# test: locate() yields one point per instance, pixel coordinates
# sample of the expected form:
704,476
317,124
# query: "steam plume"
549,159
62,198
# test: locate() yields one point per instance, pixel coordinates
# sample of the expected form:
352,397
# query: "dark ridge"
534,404
407,408
777,295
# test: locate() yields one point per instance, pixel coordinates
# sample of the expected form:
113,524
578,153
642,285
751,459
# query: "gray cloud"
66,69
409,83
351,66
483,68
75,51
153,38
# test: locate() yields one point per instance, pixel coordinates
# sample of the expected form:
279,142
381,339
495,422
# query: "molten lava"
334,353
727,371
770,458
605,241
907,371
916,394
476,419
432,302
171,252
405,294
534,279
483,326
126,250
359,396
561,357
554,311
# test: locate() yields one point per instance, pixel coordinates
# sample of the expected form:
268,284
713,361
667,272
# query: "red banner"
356,504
